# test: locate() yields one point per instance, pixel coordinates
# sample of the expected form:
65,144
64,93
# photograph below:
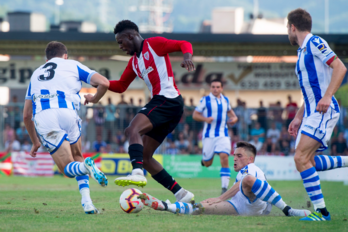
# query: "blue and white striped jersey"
314,73
211,106
56,84
250,169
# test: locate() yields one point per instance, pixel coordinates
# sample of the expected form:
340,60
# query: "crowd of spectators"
265,128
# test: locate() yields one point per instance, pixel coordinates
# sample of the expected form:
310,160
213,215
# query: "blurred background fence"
102,129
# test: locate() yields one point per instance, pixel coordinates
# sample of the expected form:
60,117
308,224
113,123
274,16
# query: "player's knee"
248,181
130,131
301,158
207,163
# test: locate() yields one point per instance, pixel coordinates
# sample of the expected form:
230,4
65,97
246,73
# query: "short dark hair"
55,49
247,146
217,80
124,25
301,19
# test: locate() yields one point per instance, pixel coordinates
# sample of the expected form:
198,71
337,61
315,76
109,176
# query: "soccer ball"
129,201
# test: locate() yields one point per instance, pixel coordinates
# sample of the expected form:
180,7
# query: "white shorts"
319,127
215,145
245,207
53,126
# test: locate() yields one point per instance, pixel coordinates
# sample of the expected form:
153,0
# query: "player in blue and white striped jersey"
216,112
250,195
50,108
320,74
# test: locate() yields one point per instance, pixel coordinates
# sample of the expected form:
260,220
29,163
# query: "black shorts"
164,114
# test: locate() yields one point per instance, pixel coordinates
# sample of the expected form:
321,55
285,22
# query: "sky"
186,16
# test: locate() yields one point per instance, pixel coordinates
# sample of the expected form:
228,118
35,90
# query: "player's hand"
212,201
232,120
324,104
187,63
34,149
89,99
293,127
209,120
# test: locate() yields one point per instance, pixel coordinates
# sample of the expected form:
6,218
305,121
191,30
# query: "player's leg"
208,152
221,208
254,188
159,173
83,181
137,127
304,156
223,148
325,162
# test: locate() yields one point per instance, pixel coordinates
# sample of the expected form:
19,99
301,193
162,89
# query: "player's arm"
29,125
224,197
338,73
200,118
232,117
126,79
163,46
296,122
102,86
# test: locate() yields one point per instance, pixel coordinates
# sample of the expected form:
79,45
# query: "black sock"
286,210
165,205
202,163
167,181
324,211
136,155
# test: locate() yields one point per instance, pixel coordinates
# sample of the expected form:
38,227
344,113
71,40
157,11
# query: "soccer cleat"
151,201
95,173
90,209
187,198
298,212
223,190
138,180
316,216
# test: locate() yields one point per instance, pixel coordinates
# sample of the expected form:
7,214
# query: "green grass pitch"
53,204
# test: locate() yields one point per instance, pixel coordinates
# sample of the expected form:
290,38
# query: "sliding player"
320,74
50,109
250,195
150,62
216,112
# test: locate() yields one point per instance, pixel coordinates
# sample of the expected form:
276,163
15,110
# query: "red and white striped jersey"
153,66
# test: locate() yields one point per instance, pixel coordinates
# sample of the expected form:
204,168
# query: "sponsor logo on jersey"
147,56
244,170
320,45
147,71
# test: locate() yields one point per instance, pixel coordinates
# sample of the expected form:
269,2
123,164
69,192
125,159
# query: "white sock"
225,181
137,171
180,194
181,207
85,193
83,182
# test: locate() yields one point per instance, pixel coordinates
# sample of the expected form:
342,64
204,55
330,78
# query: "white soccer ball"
129,201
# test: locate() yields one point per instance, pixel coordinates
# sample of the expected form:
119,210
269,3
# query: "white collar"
306,40
213,97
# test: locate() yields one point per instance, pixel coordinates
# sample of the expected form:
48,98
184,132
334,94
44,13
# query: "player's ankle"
323,211
137,171
286,210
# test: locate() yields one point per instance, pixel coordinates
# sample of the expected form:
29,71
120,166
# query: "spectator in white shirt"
273,133
256,142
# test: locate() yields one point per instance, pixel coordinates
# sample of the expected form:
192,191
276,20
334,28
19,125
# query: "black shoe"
223,190
202,163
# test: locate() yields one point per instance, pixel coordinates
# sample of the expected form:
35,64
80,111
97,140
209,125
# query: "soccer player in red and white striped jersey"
150,62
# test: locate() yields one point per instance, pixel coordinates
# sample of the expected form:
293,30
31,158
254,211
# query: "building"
27,21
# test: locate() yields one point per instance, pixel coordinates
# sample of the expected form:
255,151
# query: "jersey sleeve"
28,94
126,79
201,105
321,49
248,170
84,73
228,104
163,46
